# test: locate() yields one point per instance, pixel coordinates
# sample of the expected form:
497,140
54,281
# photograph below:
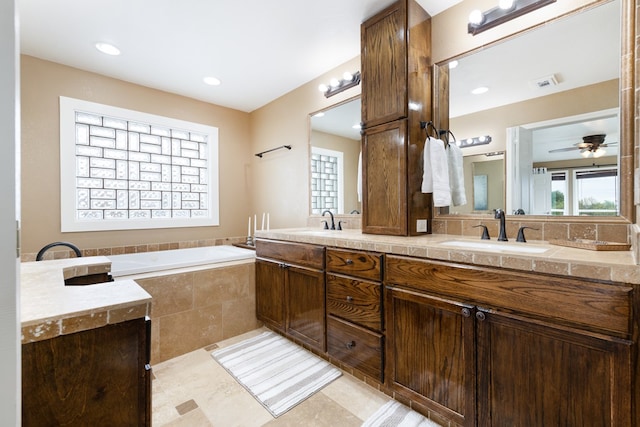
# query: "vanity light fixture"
505,11
335,86
107,48
472,142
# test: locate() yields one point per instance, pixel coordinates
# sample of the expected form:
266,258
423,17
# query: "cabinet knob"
480,316
349,261
349,299
466,312
351,344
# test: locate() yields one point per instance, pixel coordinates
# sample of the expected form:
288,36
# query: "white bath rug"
277,372
395,414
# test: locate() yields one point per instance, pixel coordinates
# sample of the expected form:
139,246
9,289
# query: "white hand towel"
435,177
456,175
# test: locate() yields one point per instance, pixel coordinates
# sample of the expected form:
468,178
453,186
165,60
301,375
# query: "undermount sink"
496,246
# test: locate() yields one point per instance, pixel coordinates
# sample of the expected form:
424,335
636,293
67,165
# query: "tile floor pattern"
193,390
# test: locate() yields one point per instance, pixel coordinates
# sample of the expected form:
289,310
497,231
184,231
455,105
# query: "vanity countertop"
608,266
48,308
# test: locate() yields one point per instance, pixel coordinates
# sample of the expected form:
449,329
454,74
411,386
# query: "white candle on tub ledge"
267,221
262,228
249,226
255,223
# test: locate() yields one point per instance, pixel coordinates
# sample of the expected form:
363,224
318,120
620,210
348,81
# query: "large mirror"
552,107
334,153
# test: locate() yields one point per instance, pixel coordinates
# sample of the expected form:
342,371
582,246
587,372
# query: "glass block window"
327,176
123,169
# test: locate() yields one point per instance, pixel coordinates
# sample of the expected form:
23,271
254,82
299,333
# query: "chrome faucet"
333,224
51,245
502,234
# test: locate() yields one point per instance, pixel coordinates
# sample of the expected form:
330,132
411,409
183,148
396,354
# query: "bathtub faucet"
51,245
333,223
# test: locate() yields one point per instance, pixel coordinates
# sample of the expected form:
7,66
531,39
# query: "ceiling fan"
590,145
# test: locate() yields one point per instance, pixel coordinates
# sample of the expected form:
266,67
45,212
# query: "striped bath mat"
277,372
395,414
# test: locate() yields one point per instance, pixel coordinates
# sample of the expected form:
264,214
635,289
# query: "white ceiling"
259,49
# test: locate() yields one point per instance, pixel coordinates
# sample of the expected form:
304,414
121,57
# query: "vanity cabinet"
354,310
396,96
290,290
487,347
98,377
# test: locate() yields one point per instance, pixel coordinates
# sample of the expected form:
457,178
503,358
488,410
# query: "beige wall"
42,84
281,179
449,31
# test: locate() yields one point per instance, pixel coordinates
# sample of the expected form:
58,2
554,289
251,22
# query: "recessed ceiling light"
212,81
480,90
107,48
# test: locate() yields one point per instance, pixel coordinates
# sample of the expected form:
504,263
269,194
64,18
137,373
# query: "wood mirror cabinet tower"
396,97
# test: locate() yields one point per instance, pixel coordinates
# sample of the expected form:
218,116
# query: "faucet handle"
326,226
520,237
485,232
339,227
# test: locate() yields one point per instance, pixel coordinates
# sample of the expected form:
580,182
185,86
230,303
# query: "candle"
267,221
255,223
262,228
249,227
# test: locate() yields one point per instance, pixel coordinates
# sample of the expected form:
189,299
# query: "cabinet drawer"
302,254
597,307
366,265
355,300
355,346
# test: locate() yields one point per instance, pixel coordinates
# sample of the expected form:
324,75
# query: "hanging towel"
456,175
435,177
359,178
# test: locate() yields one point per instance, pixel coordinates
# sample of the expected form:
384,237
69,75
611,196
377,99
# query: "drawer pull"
466,312
351,344
349,299
349,261
480,316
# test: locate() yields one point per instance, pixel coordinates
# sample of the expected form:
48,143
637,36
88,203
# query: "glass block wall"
324,183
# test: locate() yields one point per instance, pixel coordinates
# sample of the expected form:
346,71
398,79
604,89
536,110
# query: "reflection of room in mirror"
334,155
562,53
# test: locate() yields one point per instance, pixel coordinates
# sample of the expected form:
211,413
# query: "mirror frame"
309,133
627,111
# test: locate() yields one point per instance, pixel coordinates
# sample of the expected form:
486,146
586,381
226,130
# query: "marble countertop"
48,308
607,266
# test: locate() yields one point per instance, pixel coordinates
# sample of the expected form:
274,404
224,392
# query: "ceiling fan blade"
557,150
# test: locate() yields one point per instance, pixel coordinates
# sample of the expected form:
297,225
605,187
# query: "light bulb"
107,48
323,88
476,17
334,82
506,4
482,139
599,152
585,153
347,76
212,81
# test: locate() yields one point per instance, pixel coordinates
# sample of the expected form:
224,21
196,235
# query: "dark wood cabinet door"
90,378
270,293
431,348
384,66
305,296
537,375
384,184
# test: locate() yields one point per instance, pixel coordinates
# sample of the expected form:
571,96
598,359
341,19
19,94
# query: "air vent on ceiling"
544,82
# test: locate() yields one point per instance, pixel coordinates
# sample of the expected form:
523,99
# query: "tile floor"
193,390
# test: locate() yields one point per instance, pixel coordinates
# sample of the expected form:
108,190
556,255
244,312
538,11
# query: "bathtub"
167,262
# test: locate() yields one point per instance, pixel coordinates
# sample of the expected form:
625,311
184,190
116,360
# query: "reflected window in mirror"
551,73
335,158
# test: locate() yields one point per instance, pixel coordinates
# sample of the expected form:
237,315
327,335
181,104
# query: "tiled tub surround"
49,308
193,309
